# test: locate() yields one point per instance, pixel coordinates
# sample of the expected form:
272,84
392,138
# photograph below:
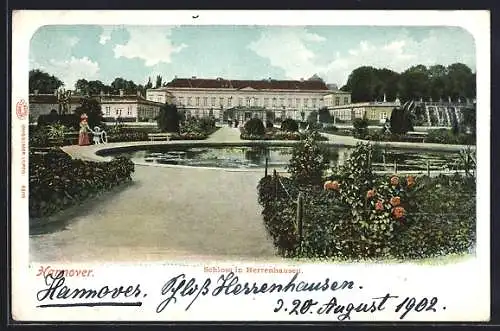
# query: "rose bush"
357,214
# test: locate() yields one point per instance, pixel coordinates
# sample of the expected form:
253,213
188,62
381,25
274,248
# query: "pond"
278,157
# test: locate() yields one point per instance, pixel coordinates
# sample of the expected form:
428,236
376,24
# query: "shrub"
57,181
361,215
400,121
168,118
290,125
360,127
308,161
254,126
68,120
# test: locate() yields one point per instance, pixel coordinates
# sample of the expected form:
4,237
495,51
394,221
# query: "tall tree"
168,118
158,81
43,82
362,84
149,84
414,83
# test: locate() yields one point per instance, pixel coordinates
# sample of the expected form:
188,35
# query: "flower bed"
356,214
57,181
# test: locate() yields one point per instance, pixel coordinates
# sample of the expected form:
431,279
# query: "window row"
254,102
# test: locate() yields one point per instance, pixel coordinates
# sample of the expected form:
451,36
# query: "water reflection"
255,157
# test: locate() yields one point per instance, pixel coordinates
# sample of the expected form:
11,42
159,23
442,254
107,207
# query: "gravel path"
167,213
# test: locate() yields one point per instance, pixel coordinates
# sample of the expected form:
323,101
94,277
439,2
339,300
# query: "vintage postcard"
250,166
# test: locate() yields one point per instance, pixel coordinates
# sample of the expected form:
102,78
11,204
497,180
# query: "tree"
128,86
168,118
290,125
415,83
92,108
149,84
360,127
460,81
255,126
325,116
312,117
158,81
308,161
362,83
43,82
400,121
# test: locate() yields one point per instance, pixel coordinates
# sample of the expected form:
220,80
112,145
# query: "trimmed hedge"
57,181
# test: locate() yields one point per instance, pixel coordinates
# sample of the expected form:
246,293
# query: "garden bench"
159,136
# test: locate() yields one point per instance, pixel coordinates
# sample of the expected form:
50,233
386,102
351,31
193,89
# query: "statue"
64,99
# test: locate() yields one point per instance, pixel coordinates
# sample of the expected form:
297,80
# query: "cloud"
294,55
151,44
72,41
69,71
105,36
287,48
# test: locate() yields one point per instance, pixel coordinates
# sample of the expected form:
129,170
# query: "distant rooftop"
265,84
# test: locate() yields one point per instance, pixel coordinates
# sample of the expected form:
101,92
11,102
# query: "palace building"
125,107
248,98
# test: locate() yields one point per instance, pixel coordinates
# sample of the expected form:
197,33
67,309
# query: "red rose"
395,201
379,205
398,212
331,185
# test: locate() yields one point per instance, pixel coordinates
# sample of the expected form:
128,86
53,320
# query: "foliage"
368,83
361,215
92,108
43,82
290,125
312,117
360,127
269,124
58,182
254,126
308,161
168,118
400,122
445,136
325,116
68,120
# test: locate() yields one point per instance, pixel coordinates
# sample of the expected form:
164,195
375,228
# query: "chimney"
302,79
121,92
35,92
102,93
139,94
193,77
55,92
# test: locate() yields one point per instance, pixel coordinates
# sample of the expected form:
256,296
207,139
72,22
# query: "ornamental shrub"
290,125
57,181
308,161
358,214
254,126
360,127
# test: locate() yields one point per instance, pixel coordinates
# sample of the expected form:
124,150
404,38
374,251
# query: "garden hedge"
57,181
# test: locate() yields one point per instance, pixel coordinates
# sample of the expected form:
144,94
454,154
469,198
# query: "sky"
96,52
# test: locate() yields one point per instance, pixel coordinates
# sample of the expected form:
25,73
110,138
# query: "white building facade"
211,97
127,108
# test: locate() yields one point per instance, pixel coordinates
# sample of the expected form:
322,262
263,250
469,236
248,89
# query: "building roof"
266,84
75,99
